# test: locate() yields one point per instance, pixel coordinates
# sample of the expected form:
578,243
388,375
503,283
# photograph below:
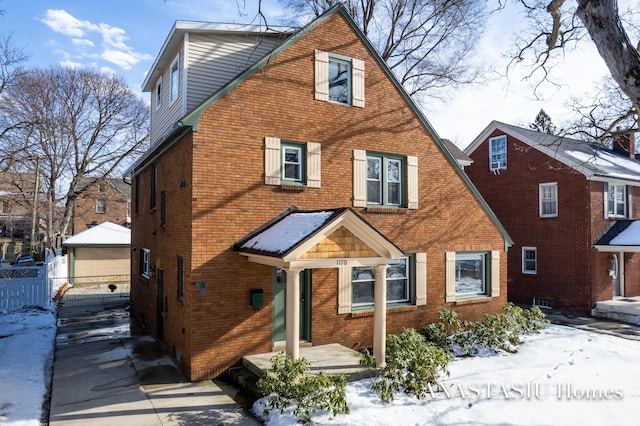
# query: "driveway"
107,371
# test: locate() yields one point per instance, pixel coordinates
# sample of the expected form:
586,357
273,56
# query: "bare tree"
556,25
427,43
84,123
11,61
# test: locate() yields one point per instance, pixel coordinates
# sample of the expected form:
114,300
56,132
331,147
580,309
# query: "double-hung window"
529,260
498,153
385,180
399,283
175,79
293,157
472,274
101,206
339,79
548,199
616,200
145,264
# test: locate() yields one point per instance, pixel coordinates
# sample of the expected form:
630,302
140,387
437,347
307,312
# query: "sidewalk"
108,372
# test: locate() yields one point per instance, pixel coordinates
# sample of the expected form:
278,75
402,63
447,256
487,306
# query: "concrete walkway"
108,372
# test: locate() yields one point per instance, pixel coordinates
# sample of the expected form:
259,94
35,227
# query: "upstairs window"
616,204
175,79
293,162
339,79
498,153
385,180
159,93
548,200
154,173
101,206
529,260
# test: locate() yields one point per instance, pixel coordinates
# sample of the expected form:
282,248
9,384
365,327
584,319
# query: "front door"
616,275
279,305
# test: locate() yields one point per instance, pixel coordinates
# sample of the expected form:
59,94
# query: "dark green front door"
279,305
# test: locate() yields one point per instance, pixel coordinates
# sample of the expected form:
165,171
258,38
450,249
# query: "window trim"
101,202
499,166
526,271
158,93
339,59
615,204
174,86
410,259
385,158
542,200
357,76
145,263
302,156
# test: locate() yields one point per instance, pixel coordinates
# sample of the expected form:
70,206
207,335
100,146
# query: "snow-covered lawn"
26,353
558,377
561,376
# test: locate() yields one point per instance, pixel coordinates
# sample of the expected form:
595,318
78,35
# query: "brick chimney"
625,143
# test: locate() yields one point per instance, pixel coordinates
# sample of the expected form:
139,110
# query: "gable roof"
457,153
592,160
191,120
118,184
105,234
291,234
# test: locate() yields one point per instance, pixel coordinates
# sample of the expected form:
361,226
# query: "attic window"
339,79
498,153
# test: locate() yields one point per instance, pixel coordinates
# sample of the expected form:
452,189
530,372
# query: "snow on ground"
26,353
558,377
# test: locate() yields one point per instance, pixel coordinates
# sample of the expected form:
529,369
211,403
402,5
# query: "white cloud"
112,39
71,64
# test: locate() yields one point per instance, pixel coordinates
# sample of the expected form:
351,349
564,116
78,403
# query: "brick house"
101,200
291,180
562,201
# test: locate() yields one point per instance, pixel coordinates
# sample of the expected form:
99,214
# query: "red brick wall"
229,199
85,207
571,272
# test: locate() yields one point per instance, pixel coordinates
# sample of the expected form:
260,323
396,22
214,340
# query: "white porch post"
380,315
293,313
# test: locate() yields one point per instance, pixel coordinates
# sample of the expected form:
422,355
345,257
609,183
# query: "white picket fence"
31,285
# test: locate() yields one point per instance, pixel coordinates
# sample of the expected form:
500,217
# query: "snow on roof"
105,234
629,237
287,232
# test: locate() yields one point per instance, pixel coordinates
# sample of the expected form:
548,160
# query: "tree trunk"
602,21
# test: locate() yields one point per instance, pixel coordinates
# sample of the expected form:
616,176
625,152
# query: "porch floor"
331,359
626,309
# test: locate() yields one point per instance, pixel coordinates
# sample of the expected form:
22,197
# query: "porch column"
293,313
380,315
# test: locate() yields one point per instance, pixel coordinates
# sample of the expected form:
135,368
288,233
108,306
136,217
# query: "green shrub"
412,365
495,332
288,384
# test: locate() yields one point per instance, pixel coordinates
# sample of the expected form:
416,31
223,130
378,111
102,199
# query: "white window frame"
616,189
174,79
384,182
409,286
525,269
101,206
299,148
548,200
497,165
158,93
145,263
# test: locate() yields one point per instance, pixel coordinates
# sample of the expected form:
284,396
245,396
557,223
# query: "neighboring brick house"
101,200
16,214
562,201
300,184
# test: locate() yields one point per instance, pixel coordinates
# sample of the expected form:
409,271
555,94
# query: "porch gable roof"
291,235
623,235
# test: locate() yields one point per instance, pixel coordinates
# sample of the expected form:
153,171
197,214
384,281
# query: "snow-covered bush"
287,385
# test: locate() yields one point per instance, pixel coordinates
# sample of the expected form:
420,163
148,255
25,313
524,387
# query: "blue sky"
123,37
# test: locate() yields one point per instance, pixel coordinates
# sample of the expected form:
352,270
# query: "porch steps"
626,309
247,381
